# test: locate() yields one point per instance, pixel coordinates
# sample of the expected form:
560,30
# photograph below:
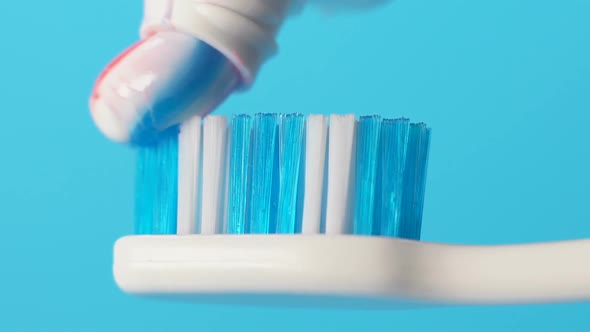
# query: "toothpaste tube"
192,55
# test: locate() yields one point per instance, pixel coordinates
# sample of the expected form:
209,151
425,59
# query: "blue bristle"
367,157
264,183
291,141
267,172
144,191
394,138
274,193
156,189
301,184
415,180
240,133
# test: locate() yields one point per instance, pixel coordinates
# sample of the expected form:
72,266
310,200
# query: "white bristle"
214,171
315,158
341,173
225,194
189,150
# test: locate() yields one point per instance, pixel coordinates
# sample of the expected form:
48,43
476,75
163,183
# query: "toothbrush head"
292,210
275,206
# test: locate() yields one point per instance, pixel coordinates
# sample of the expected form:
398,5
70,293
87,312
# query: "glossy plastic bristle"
239,172
264,178
341,172
394,139
213,175
291,145
314,174
288,174
367,159
415,180
156,189
189,157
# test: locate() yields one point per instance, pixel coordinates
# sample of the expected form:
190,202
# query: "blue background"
505,85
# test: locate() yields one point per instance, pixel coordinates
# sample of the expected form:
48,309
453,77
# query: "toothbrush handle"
508,274
374,270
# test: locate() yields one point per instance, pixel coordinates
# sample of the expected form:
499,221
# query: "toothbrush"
283,209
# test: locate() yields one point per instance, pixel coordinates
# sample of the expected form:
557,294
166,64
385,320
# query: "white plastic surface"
189,155
341,173
244,31
315,163
349,271
214,171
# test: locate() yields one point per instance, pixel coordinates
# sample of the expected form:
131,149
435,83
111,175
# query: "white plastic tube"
244,31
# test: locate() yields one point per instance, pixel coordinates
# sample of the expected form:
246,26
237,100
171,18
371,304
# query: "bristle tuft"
287,174
291,144
415,180
239,173
394,139
156,190
367,158
264,155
